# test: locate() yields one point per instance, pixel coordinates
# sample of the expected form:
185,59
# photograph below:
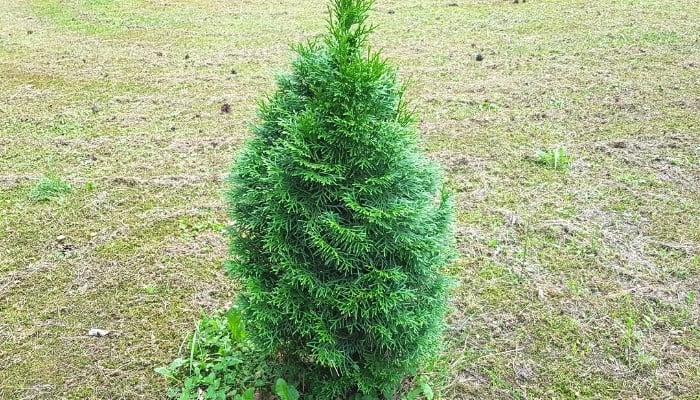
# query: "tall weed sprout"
339,223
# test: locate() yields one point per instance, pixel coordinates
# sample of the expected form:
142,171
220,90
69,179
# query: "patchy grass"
48,188
572,284
556,158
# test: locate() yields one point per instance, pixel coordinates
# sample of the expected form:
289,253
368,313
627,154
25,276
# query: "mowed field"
579,282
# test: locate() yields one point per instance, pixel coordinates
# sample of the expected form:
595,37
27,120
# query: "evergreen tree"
339,224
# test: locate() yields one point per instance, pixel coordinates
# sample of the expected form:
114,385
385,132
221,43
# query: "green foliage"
556,158
423,388
285,391
48,188
340,226
218,363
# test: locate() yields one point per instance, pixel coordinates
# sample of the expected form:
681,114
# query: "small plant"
285,391
557,158
633,352
423,388
48,188
150,289
218,362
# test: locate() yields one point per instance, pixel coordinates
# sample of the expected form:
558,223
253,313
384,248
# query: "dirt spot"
10,181
125,181
170,180
618,144
471,241
204,243
664,157
667,171
208,300
525,373
16,277
457,161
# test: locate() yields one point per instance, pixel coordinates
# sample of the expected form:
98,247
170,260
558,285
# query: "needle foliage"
339,223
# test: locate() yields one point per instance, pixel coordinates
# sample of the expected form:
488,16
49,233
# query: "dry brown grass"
576,284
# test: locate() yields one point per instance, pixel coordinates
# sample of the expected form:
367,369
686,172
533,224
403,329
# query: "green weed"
218,362
49,188
556,158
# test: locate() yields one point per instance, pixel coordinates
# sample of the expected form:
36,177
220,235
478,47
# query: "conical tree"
339,224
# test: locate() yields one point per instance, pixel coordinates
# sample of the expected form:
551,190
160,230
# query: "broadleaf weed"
220,363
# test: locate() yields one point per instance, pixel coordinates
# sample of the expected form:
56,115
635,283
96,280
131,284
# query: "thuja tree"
339,223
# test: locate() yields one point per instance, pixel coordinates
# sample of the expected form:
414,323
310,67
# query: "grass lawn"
579,281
